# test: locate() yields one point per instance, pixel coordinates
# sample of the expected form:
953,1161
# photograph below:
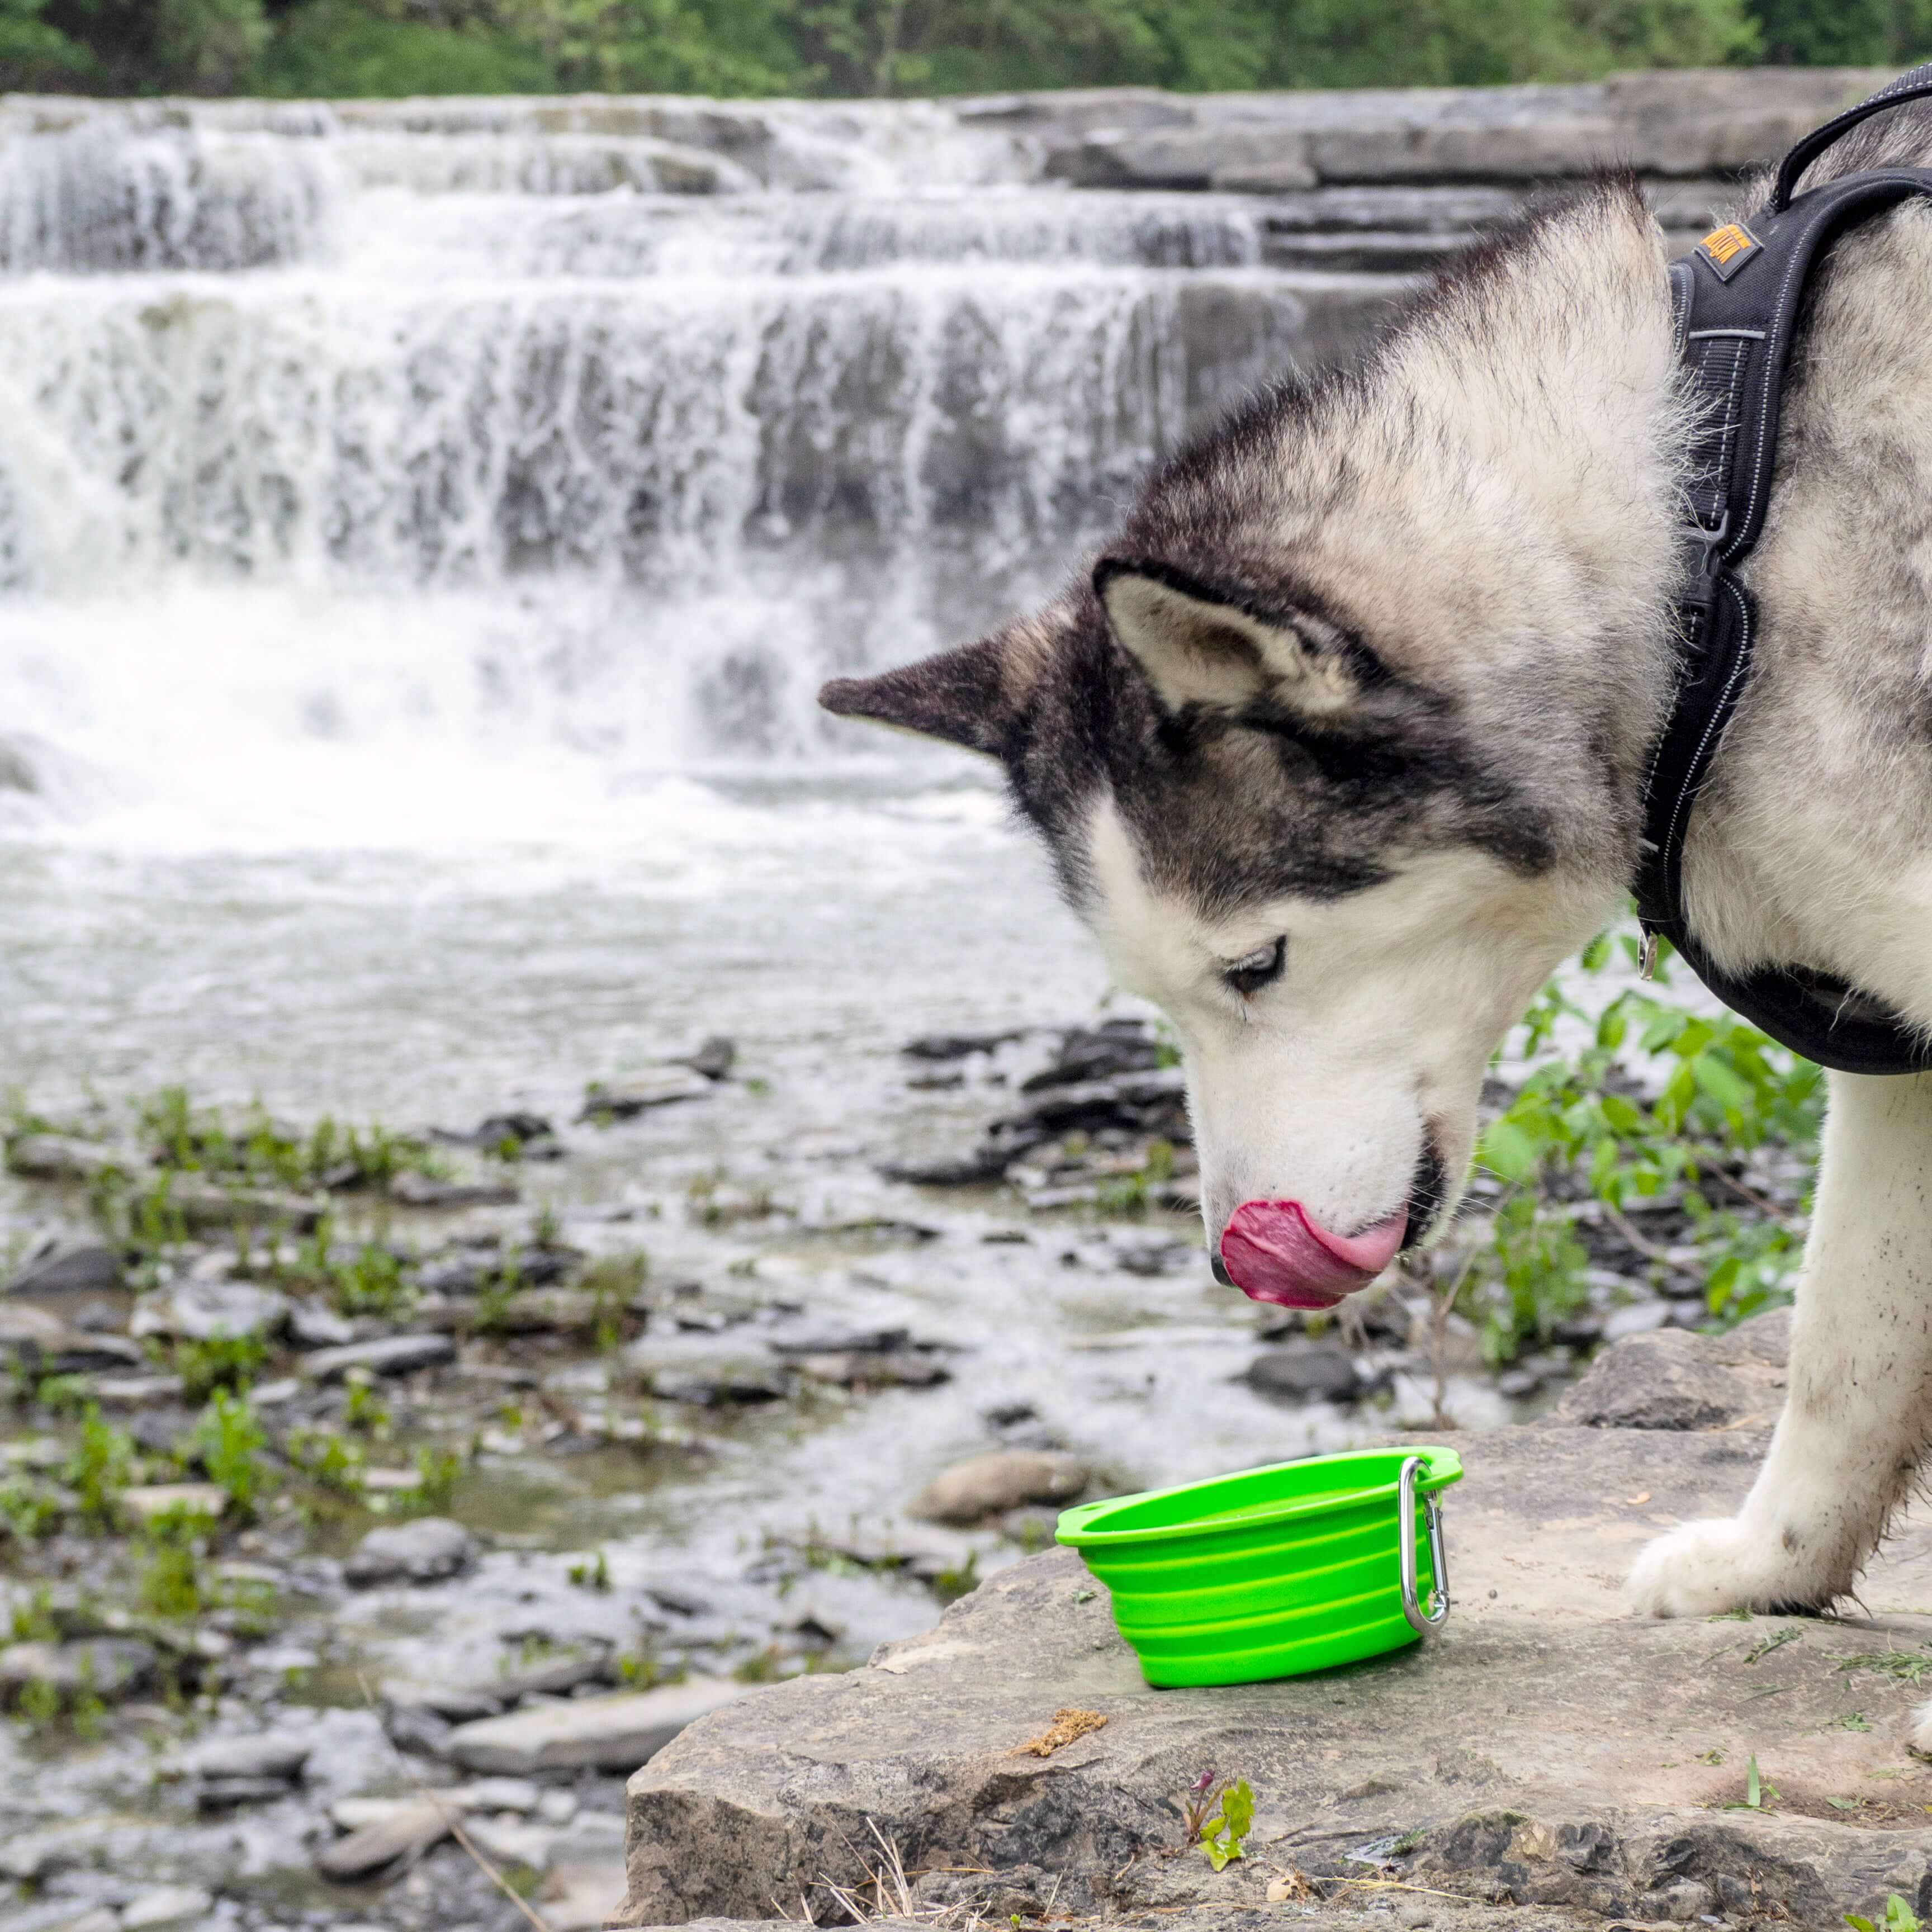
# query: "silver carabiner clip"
1420,1621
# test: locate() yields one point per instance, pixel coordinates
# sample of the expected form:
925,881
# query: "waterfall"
605,427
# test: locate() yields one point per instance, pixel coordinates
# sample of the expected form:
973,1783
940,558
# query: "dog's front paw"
1702,1568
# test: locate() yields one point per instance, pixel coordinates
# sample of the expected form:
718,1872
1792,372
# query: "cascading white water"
593,433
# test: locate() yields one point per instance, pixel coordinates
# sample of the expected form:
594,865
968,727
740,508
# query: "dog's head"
1338,750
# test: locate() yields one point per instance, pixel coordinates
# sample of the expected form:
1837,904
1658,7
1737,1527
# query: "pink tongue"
1273,1251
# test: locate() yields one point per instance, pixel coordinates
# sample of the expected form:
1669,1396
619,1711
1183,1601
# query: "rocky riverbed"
1544,1751
374,1502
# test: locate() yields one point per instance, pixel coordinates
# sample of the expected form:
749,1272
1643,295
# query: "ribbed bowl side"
1271,1601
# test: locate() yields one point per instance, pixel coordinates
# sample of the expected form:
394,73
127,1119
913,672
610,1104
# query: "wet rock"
205,1204
167,1905
1456,1765
411,1189
532,1311
618,1733
144,1501
867,1369
456,1703
422,1552
279,1755
988,1486
624,1099
61,1157
972,1170
1234,160
106,1667
44,1344
390,1355
408,1826
554,1676
127,1392
1672,1378
512,1133
714,1059
1101,1053
958,1045
842,1342
713,1386
82,1270
229,1794
1310,1372
313,1325
198,1311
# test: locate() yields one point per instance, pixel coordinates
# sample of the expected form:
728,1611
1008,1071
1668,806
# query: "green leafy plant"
365,1410
1760,1792
174,1581
222,1362
436,1472
327,1460
96,1471
227,1442
1217,1815
591,1573
1658,1101
1899,1917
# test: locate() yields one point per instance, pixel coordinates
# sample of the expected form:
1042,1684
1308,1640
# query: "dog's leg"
1857,1418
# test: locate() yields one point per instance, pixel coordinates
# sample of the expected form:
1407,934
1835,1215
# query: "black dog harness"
1734,300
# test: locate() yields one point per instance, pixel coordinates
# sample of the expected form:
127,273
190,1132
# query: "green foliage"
1899,1917
28,1510
31,1618
1216,1814
174,1583
591,1573
223,1362
327,1460
870,47
365,1410
227,1442
1221,1836
436,1472
1657,1099
97,1471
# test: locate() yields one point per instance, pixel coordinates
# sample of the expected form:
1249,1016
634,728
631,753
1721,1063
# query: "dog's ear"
963,696
1197,647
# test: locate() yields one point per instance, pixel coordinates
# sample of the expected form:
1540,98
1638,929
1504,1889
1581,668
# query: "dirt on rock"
1545,1749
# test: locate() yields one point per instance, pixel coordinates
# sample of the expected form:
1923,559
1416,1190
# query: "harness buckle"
1646,964
1701,581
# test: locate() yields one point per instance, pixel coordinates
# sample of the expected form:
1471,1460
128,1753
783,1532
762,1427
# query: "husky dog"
1340,749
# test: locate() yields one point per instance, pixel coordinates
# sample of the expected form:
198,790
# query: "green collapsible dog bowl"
1276,1571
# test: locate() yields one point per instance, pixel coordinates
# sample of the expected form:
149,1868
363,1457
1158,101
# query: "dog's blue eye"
1261,967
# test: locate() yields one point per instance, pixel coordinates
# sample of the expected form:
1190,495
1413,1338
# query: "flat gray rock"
200,1310
279,1755
91,1269
614,1733
390,1355
1545,1749
1002,1480
106,1667
1676,1378
423,1552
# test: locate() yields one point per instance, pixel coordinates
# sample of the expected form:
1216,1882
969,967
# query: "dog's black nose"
1220,1268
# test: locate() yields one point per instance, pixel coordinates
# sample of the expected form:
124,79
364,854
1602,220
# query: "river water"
420,536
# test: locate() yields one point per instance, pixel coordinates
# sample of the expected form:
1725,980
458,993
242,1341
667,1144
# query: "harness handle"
1910,86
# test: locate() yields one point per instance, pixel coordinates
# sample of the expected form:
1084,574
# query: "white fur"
1319,1087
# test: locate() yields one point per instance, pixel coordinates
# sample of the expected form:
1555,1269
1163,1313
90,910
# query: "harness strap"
1736,300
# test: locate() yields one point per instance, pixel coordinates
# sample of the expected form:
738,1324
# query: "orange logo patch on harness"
1727,249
